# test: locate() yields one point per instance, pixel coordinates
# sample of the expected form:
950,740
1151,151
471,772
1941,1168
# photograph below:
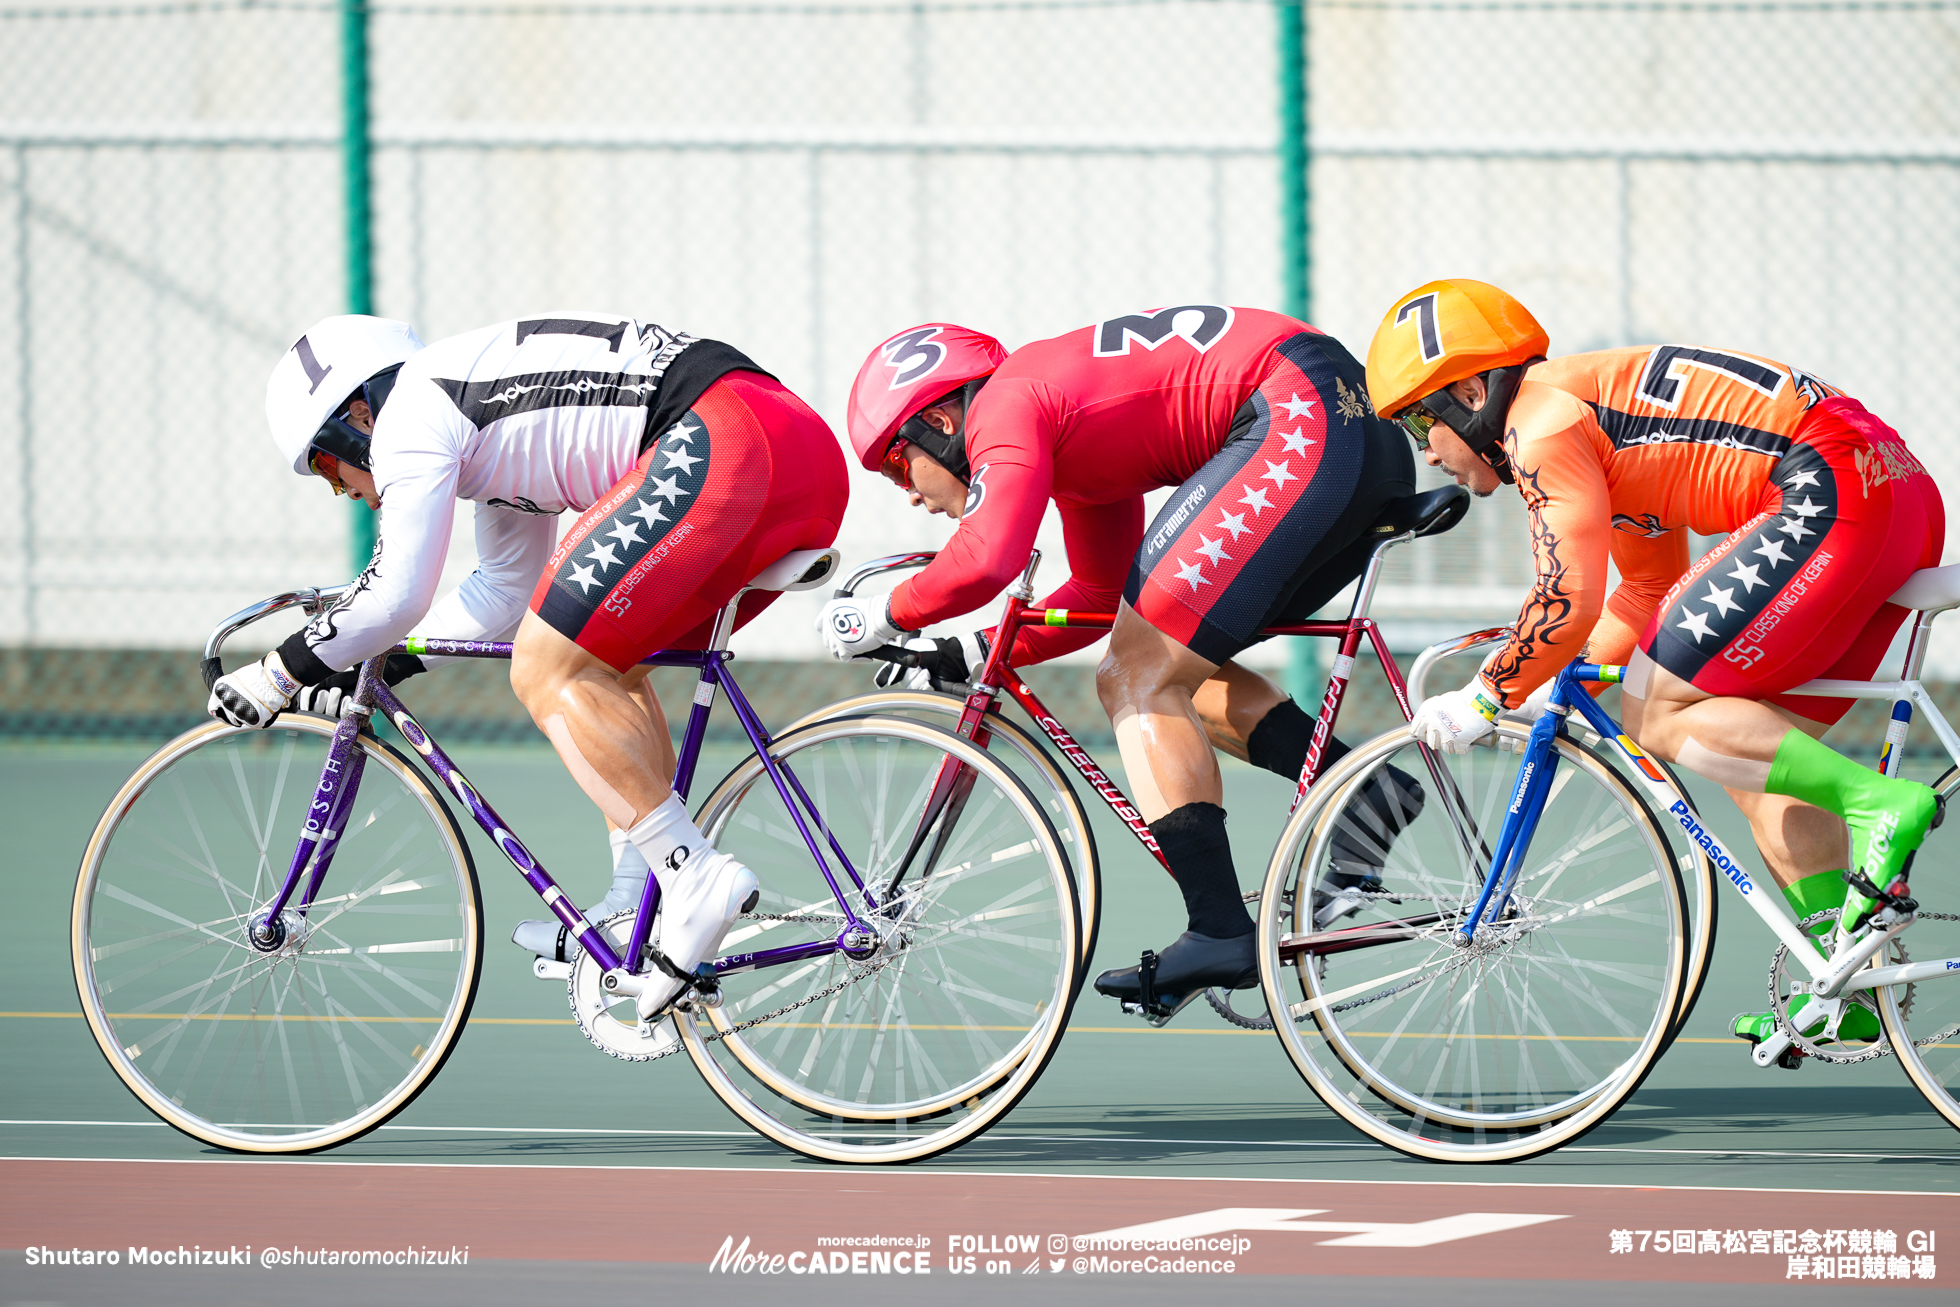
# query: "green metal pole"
1303,674
355,148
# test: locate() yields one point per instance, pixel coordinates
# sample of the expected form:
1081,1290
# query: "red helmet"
910,372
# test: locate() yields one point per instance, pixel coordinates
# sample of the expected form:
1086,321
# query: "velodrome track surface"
548,1160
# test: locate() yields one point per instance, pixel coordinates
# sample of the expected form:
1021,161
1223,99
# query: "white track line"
928,1171
996,1137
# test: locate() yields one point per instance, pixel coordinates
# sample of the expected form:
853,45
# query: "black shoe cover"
1191,964
1369,824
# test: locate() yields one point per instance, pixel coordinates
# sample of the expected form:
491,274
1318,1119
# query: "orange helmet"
1444,331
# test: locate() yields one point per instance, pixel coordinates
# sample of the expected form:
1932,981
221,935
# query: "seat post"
1364,594
1922,630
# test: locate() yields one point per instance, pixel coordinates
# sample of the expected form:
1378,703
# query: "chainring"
599,1012
1779,1002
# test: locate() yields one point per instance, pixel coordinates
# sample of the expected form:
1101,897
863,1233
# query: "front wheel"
1518,1040
338,1027
959,993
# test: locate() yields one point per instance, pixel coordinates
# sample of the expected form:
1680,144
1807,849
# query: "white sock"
629,879
667,837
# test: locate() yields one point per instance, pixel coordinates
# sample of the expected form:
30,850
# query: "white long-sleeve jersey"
525,419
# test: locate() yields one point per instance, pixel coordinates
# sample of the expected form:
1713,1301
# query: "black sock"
1194,843
1279,742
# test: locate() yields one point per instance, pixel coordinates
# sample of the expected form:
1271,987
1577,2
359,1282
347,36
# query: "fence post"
355,148
1296,252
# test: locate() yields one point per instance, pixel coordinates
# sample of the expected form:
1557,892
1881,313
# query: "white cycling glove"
1453,722
1533,707
254,694
934,663
852,628
329,696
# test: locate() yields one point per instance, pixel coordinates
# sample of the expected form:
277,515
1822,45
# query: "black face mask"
1483,430
344,440
949,451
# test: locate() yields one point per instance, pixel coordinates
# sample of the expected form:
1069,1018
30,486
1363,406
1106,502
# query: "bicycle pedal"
1790,1059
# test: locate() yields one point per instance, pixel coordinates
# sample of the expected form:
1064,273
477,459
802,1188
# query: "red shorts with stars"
749,474
1275,523
1799,591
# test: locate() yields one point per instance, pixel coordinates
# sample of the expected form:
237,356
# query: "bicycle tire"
1039,772
1476,1058
926,1044
1698,876
1922,1019
324,1039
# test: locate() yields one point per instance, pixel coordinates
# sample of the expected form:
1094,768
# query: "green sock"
1816,894
1888,817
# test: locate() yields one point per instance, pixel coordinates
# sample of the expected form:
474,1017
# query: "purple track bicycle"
278,933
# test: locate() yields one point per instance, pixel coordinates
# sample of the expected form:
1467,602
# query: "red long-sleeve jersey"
1092,420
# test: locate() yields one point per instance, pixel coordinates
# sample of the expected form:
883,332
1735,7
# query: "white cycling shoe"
704,898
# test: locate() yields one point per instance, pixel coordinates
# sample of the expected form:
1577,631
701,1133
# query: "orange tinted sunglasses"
328,466
894,466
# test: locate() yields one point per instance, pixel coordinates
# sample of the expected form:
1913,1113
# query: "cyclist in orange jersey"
1620,454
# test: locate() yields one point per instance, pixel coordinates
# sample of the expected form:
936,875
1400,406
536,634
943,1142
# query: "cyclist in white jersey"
692,470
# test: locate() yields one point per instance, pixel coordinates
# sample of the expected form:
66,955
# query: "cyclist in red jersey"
1620,454
1262,423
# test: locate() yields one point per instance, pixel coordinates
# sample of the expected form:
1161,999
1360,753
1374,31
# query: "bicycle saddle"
1428,514
1931,589
801,570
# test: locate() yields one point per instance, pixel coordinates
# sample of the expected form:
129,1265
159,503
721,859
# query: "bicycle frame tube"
1677,808
714,673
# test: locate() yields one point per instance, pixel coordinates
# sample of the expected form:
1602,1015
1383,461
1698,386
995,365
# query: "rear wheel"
957,997
1032,765
334,1030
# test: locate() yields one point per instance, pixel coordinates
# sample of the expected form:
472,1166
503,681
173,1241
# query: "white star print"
1720,600
1771,549
1696,625
669,488
1806,509
1296,408
1257,500
683,433
1192,573
1279,473
1213,549
604,556
1233,522
1801,479
583,575
681,459
1296,443
1794,528
1750,576
649,512
626,533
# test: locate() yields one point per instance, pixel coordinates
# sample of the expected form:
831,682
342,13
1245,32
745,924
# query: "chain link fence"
802,179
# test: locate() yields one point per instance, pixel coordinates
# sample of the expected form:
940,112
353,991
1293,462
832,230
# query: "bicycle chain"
852,979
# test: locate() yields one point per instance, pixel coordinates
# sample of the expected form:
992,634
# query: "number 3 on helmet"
338,359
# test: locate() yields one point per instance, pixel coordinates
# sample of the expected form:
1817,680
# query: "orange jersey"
1622,453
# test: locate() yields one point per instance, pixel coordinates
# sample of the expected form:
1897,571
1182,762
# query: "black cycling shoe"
1160,985
1368,825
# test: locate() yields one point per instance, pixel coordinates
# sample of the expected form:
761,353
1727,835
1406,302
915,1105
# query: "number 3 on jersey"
1203,325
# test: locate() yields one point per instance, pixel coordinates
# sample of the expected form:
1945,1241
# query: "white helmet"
325,368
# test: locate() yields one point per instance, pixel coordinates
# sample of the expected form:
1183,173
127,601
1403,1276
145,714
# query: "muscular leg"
1230,703
613,739
1797,840
1146,683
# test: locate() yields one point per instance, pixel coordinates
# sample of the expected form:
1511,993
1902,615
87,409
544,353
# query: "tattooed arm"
1566,499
